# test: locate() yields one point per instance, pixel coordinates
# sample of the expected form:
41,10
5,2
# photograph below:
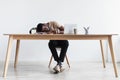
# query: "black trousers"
63,44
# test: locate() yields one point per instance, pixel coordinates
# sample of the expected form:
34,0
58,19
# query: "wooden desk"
19,37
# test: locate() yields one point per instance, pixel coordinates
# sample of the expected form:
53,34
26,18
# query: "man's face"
45,28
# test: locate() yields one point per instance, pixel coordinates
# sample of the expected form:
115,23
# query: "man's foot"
56,69
61,68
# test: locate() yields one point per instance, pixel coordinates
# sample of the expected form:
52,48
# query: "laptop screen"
69,28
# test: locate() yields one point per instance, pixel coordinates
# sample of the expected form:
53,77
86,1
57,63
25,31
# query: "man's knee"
51,44
66,44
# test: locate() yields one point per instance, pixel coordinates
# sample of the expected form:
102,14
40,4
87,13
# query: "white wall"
18,16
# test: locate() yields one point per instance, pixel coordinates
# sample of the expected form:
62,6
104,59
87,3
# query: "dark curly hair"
39,27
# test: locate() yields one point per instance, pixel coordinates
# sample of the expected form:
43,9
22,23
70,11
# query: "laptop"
69,28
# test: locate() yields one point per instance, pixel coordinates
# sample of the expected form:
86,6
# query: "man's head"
42,27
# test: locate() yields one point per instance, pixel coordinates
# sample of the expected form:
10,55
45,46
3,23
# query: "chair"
65,57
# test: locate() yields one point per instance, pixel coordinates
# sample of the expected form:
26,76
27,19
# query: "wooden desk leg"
7,55
102,51
17,51
112,55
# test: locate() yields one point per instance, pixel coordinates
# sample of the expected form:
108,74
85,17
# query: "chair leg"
67,61
50,62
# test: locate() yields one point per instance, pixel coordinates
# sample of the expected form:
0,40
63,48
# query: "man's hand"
61,28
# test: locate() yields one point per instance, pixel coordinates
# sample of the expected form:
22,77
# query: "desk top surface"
59,34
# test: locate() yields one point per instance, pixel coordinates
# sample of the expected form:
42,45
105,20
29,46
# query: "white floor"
78,71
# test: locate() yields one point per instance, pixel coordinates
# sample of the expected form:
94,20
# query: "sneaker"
61,69
56,69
